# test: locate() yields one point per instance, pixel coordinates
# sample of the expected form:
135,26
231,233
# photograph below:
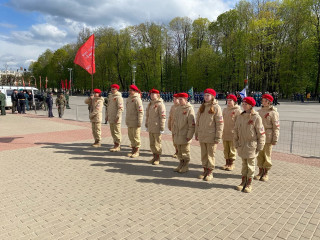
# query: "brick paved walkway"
54,186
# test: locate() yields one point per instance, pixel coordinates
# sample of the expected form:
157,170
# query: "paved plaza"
55,186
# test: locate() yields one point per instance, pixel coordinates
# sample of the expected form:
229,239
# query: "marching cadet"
230,114
61,104
183,130
249,139
208,132
95,105
114,116
134,117
270,120
171,120
155,123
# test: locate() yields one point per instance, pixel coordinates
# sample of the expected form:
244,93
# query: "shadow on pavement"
8,139
120,163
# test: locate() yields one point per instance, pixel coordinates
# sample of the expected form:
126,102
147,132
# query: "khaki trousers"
229,151
248,167
208,151
115,129
134,136
175,145
96,131
264,157
155,143
184,152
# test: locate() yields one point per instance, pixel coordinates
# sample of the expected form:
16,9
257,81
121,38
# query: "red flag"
66,84
29,83
85,56
69,85
40,82
46,82
62,84
23,82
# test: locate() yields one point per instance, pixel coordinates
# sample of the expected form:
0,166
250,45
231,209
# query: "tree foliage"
275,44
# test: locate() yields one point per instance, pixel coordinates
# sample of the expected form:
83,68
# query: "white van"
8,90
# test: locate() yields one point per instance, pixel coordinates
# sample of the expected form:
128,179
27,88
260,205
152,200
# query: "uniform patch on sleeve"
221,119
277,123
262,130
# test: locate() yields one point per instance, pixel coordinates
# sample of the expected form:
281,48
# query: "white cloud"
63,19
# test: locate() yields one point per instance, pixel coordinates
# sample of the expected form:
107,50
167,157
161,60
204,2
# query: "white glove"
161,132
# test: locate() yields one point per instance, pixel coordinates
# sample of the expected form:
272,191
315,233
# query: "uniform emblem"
155,106
221,119
185,112
267,115
114,99
262,130
250,122
132,100
277,123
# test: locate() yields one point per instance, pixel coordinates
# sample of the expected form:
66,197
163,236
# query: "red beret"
210,91
154,90
184,95
176,95
96,90
115,86
232,97
134,87
268,97
250,101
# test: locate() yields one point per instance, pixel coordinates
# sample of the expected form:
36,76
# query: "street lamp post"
70,70
134,74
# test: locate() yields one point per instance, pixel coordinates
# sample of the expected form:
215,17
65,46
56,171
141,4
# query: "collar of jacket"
234,107
253,112
116,94
188,105
135,95
159,100
271,108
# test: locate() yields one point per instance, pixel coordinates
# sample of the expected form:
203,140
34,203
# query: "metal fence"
296,137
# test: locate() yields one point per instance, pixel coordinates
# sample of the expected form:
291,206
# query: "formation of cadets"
248,133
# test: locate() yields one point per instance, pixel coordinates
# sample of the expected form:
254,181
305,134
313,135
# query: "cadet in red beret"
230,115
155,124
134,117
115,86
271,123
209,127
171,120
183,130
249,140
114,116
95,105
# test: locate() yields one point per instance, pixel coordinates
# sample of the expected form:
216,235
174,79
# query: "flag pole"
92,64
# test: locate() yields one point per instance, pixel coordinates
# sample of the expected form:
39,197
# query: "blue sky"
29,27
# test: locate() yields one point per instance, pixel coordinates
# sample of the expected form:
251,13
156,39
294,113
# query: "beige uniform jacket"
209,124
61,101
134,111
171,116
249,134
271,123
96,105
155,116
184,124
230,115
115,108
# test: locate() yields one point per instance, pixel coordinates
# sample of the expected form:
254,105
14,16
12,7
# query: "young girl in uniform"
171,120
230,114
209,129
183,130
270,120
249,140
155,123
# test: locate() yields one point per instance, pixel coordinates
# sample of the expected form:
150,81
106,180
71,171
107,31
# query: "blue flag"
243,93
190,92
